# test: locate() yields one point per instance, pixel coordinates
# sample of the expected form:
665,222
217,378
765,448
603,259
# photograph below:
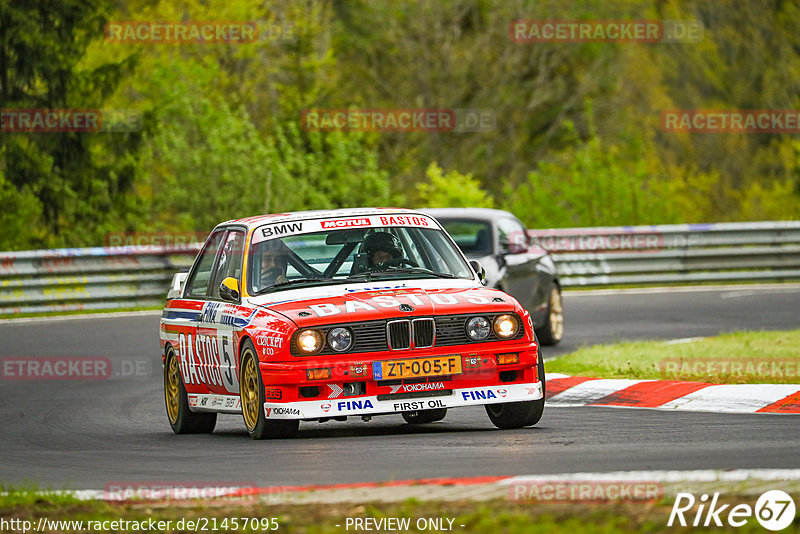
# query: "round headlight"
478,328
340,339
309,341
505,326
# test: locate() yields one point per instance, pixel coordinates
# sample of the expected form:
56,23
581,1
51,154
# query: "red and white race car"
328,314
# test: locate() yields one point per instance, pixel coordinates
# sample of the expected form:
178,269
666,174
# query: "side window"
512,235
197,286
230,261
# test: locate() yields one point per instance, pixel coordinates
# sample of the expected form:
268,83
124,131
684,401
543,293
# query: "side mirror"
176,286
479,270
512,247
229,289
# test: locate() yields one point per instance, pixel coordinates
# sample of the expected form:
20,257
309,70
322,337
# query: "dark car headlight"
478,328
340,339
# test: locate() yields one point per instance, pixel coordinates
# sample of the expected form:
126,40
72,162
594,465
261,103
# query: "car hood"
384,300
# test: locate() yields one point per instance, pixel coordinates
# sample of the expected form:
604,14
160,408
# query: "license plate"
437,366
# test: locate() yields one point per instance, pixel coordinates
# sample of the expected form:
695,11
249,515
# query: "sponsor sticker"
285,229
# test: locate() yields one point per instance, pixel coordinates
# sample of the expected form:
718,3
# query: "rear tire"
553,330
519,414
181,418
421,417
251,391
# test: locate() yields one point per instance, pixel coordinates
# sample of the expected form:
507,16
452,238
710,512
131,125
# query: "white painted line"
788,287
683,340
492,490
703,475
554,376
86,316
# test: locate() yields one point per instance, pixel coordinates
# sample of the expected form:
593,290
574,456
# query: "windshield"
337,255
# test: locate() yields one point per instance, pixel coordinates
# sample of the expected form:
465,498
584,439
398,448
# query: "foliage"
576,141
451,190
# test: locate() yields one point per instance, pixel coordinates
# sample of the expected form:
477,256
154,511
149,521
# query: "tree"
78,179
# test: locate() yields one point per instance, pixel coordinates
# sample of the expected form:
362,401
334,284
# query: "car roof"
467,213
253,222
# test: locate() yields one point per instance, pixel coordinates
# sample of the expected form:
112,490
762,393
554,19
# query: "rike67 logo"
774,510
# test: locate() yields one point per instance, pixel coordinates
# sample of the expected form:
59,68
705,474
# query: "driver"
273,266
382,247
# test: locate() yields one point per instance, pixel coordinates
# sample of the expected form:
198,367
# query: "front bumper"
371,405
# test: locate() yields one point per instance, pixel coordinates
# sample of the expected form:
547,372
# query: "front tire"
421,417
251,391
181,418
553,330
519,414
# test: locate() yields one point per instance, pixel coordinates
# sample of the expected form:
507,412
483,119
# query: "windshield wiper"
401,270
296,281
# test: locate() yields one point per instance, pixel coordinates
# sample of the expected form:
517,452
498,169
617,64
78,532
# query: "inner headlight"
478,328
309,341
505,326
340,339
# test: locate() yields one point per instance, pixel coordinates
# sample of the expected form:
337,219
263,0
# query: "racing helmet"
385,242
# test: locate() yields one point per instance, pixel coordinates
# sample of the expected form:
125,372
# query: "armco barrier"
101,278
681,253
116,277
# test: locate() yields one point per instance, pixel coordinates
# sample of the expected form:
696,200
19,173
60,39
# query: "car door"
214,343
192,306
520,263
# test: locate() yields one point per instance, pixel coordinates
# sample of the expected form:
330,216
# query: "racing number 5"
228,376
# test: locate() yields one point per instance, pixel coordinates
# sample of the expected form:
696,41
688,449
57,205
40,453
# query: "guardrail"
681,253
105,278
100,278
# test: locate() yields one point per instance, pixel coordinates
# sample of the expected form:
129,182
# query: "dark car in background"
501,244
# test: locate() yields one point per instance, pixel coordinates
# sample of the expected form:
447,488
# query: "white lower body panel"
370,405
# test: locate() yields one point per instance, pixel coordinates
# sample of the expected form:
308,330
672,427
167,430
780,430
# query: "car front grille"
424,332
397,334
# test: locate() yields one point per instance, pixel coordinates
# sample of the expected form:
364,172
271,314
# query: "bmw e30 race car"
320,315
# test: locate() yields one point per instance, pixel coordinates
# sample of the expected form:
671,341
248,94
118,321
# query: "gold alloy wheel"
172,390
249,389
556,314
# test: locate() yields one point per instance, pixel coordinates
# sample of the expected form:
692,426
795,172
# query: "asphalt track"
91,433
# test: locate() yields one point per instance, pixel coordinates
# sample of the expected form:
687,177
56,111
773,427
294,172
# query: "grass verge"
737,358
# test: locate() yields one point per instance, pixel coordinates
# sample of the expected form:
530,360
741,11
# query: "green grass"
737,358
489,517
